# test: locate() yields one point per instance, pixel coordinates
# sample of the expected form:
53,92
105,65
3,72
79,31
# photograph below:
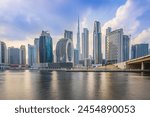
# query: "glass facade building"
114,46
36,50
139,50
78,39
85,43
68,35
45,48
97,43
3,53
76,56
13,55
64,51
22,55
126,47
30,55
117,46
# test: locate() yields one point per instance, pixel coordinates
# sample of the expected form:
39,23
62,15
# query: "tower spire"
78,25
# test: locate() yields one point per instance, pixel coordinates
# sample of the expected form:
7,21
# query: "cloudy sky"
23,20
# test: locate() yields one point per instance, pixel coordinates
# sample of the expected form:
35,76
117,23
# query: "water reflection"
73,85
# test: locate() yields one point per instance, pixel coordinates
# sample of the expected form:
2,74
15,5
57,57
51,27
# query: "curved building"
64,51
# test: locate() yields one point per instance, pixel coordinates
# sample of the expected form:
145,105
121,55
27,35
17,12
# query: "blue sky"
23,20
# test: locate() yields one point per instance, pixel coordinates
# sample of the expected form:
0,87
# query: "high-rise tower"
139,50
3,52
85,44
45,48
13,55
97,52
117,46
36,51
68,35
30,55
78,39
22,55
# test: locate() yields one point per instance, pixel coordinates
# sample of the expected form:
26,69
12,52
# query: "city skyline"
23,26
117,48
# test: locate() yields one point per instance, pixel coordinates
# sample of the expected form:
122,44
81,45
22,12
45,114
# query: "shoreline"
80,70
93,70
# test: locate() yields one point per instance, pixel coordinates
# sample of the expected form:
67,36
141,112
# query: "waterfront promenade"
108,68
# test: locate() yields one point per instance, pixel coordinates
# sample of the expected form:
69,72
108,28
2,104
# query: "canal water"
74,85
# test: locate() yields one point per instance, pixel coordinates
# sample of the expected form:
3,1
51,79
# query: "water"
74,85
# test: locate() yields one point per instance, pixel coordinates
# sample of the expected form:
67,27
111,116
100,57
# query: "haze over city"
22,21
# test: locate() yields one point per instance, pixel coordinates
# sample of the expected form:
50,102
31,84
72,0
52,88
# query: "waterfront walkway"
92,70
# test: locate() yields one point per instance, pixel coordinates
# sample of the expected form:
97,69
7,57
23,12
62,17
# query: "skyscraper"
76,56
139,50
108,30
114,44
85,43
64,51
22,55
3,53
45,48
126,47
30,55
78,39
117,46
54,56
68,35
13,55
36,50
97,38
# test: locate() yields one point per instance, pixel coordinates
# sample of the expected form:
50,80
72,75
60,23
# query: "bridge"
142,63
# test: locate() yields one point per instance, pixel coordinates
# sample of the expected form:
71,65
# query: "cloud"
23,20
127,16
143,37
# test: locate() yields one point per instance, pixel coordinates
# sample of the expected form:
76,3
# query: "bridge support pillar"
142,66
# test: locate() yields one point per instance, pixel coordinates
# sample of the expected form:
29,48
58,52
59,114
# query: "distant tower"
45,48
22,55
78,39
36,51
126,47
76,56
13,55
85,43
3,52
139,50
97,43
68,35
30,55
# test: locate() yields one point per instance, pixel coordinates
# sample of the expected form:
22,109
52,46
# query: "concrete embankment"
75,70
108,68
